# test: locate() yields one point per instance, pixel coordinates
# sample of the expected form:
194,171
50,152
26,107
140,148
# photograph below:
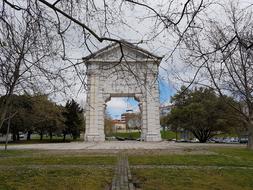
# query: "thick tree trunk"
41,135
29,133
3,115
51,135
7,134
176,134
7,100
250,135
64,137
250,142
4,109
18,137
14,137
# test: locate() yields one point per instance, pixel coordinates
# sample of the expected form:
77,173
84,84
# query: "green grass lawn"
166,135
194,179
30,157
231,169
217,157
133,135
29,169
58,160
204,169
55,178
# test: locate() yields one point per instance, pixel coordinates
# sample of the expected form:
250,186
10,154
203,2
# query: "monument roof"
122,48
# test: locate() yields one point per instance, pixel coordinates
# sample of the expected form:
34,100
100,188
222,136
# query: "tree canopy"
37,114
73,115
202,112
221,53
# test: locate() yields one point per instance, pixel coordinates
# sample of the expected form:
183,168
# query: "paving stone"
121,180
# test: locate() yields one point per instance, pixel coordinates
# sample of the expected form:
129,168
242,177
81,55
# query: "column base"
94,138
151,137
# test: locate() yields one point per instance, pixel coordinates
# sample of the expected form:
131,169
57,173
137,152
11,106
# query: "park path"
118,145
122,179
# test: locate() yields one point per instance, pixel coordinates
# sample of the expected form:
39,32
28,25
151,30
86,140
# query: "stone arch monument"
122,70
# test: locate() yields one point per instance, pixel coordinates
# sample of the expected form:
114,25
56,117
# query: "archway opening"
122,119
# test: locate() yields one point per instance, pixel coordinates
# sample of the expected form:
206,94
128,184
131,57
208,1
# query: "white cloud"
117,104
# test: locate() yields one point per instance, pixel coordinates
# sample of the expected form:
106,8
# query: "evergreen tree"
73,119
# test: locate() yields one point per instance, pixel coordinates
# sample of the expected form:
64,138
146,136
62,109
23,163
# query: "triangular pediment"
122,51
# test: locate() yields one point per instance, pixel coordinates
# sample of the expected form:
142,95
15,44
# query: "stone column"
152,117
143,110
144,127
94,109
151,107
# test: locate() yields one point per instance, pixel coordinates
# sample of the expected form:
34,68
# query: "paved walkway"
117,145
122,179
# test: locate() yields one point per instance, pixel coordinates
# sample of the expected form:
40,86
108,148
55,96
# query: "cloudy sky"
130,19
141,25
117,106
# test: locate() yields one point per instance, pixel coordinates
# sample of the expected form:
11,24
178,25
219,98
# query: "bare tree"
97,20
222,53
26,47
33,31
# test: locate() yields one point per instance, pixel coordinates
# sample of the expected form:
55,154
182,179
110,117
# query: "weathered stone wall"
135,76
